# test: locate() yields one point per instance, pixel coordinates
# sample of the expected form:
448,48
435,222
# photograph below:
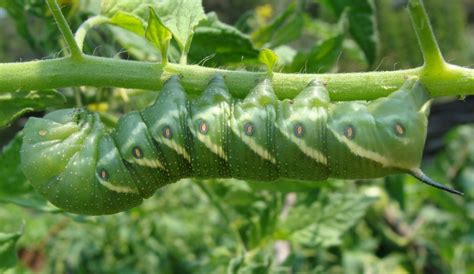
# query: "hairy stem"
106,72
440,78
81,32
432,55
76,53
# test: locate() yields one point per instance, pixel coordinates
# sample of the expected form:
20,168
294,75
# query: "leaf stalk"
76,53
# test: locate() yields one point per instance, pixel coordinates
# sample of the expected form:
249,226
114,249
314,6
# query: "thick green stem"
432,55
440,78
101,72
76,53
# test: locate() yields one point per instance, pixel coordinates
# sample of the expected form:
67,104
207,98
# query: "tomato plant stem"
440,78
76,53
432,55
106,72
81,32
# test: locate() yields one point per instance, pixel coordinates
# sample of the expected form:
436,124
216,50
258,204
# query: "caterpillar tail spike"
422,177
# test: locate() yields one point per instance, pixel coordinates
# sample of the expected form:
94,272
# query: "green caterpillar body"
81,166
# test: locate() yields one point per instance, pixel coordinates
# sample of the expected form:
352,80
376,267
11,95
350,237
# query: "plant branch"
106,72
76,53
440,78
432,55
81,32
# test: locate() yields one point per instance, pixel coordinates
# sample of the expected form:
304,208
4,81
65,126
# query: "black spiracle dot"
399,129
103,174
349,132
137,152
167,132
203,127
249,129
299,130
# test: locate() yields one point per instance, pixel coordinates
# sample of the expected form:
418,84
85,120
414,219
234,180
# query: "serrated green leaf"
323,55
181,17
255,213
128,21
256,224
136,7
362,24
15,104
13,182
221,44
8,257
285,28
14,187
136,46
268,58
159,35
321,58
325,221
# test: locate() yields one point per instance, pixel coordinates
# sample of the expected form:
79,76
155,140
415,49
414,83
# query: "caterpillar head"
72,162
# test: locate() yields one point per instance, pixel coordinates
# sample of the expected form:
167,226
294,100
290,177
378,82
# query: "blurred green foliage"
400,48
391,225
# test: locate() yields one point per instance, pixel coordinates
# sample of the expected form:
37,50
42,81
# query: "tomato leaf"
181,17
15,104
285,28
8,257
158,34
129,22
221,44
321,58
325,221
268,58
362,24
14,187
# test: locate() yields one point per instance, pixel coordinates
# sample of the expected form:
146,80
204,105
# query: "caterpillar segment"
81,166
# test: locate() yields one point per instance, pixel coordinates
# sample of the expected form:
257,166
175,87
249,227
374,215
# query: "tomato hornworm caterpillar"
79,165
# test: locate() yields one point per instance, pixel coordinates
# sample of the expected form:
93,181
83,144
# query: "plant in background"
267,227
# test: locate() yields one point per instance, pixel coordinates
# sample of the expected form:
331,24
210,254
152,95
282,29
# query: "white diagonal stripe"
179,149
362,152
250,142
112,187
153,163
305,148
205,139
169,142
313,115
